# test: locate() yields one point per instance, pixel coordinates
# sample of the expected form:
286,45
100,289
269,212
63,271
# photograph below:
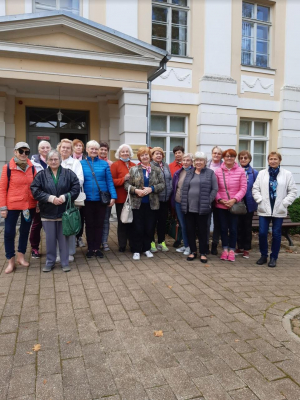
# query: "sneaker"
80,242
238,251
148,254
162,246
90,254
231,256
66,268
48,268
187,251
57,259
224,255
105,247
35,254
153,248
71,258
98,253
136,256
246,254
181,249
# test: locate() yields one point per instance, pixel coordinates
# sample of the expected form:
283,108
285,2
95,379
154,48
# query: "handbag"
71,221
79,202
127,214
104,196
239,208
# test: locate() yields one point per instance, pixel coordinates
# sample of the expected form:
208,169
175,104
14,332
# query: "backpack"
9,174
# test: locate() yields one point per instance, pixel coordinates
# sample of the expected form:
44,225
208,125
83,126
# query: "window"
256,27
64,5
168,131
169,25
254,137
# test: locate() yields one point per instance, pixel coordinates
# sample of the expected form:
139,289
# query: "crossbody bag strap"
225,185
94,176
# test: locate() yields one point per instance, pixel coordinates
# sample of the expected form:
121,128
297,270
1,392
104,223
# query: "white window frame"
259,22
168,135
57,7
251,138
169,6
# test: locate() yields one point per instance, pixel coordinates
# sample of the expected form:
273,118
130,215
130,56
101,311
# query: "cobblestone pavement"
222,329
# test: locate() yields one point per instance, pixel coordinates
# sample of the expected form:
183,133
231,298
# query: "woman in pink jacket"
236,183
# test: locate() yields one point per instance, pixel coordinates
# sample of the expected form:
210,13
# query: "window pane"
180,2
175,142
262,47
178,33
247,29
244,145
262,32
259,162
247,44
259,147
178,48
247,58
179,17
248,10
263,13
245,128
159,30
161,1
158,142
262,60
177,124
159,14
158,123
162,44
260,128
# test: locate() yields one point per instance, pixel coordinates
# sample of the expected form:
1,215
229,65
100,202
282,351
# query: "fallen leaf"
44,381
237,340
29,352
36,347
158,333
170,287
69,342
206,265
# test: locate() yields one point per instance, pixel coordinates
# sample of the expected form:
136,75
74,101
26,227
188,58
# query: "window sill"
182,59
250,68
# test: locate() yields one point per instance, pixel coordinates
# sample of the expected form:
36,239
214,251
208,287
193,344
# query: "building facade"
233,79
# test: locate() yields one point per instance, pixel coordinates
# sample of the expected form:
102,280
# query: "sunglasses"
244,158
21,151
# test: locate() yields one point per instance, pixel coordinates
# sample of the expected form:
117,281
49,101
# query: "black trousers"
161,221
194,221
94,213
144,220
81,210
124,230
217,229
244,237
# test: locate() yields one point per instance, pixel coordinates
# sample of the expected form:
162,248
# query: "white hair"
92,143
43,142
190,155
200,156
117,155
51,153
218,148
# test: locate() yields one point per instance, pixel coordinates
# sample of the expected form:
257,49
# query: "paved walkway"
222,329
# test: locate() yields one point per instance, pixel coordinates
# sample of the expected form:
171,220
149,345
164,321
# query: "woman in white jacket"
274,190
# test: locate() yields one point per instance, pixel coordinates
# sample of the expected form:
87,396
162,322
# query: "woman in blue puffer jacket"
96,173
244,237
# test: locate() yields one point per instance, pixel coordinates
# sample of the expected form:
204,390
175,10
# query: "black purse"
239,208
104,196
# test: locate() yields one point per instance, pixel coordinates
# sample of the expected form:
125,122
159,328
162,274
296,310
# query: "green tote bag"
71,221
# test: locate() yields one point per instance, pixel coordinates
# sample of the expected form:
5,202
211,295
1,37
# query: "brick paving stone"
288,388
6,365
161,393
7,344
180,383
265,367
49,387
22,382
192,364
291,368
273,354
211,388
9,324
117,312
48,363
228,379
81,392
231,357
101,382
243,394
73,372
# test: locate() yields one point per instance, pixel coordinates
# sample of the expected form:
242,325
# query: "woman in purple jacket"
244,237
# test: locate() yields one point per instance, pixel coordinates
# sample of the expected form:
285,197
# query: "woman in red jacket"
120,173
16,198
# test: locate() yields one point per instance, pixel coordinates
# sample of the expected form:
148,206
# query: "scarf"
246,170
186,169
21,164
273,172
147,168
78,157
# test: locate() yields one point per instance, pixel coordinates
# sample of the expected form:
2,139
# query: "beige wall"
15,7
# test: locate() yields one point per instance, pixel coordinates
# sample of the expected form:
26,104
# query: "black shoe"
214,250
272,262
262,260
176,244
203,260
90,254
98,253
194,256
122,249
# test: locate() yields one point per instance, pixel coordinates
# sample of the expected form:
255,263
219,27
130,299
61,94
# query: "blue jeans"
228,222
181,219
264,223
10,232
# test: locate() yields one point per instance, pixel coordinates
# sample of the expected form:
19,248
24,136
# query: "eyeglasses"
244,158
229,156
53,159
21,151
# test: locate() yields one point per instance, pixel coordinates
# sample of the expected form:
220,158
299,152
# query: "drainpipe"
161,70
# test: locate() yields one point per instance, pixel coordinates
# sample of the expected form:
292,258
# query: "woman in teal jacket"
96,174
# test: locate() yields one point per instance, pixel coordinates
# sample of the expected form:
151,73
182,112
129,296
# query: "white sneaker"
57,259
180,249
148,254
187,251
71,258
136,256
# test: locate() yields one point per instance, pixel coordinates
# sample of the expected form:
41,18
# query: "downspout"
161,70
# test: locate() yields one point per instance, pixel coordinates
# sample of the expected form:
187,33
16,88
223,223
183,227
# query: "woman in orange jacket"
16,198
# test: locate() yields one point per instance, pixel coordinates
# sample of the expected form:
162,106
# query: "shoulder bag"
127,214
79,202
239,208
71,221
104,196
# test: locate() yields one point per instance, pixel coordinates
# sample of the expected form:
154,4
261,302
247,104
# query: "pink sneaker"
224,255
231,255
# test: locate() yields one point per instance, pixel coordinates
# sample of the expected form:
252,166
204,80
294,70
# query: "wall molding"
257,85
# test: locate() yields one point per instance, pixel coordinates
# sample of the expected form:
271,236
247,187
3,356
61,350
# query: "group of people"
193,188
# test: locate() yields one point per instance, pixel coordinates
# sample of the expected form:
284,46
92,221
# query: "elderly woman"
65,148
16,199
232,185
39,162
146,182
51,188
178,178
214,163
198,191
162,214
274,190
120,173
97,176
244,237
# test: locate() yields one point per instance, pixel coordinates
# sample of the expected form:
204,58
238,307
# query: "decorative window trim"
57,7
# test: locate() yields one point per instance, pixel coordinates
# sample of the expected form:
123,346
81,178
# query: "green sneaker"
153,248
162,246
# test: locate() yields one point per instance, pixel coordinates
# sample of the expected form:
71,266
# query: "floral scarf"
147,168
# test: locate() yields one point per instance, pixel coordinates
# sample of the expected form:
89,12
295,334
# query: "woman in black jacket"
51,187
